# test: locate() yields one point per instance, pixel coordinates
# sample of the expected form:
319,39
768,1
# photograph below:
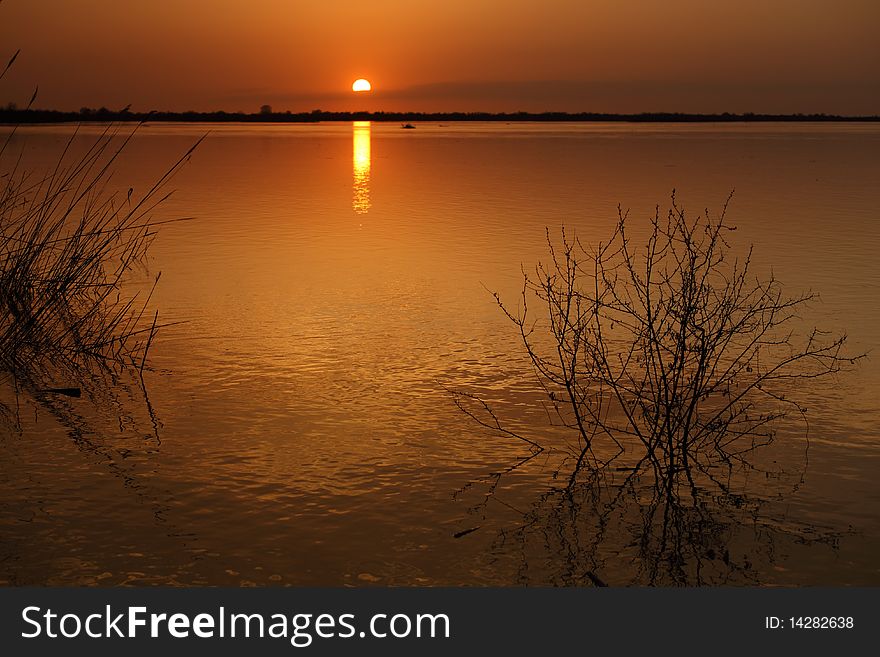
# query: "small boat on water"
408,126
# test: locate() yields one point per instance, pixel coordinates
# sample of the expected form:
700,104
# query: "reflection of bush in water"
635,534
672,362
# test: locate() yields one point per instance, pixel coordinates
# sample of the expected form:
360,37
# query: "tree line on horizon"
11,114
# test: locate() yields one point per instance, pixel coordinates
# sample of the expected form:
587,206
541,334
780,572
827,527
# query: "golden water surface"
335,282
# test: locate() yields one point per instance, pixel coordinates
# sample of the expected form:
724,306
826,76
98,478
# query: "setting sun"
361,85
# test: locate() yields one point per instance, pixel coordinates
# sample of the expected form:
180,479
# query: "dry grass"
67,241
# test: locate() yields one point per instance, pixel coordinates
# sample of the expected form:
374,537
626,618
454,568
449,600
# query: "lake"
334,284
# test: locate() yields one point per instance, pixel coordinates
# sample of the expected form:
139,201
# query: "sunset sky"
570,55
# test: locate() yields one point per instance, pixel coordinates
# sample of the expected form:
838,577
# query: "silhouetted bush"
673,353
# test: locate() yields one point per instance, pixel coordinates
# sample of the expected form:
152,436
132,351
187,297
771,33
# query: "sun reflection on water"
361,167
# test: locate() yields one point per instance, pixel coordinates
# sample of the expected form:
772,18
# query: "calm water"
335,280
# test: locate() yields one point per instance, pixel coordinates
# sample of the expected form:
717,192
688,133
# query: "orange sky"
569,55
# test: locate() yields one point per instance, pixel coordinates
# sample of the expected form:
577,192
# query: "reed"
67,242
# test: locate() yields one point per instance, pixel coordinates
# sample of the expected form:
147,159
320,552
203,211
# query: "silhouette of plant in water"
675,349
602,532
70,324
673,362
66,244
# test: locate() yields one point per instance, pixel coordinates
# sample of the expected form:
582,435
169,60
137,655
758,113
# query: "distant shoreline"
24,117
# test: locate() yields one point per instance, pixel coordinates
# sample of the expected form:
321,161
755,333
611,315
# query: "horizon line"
12,114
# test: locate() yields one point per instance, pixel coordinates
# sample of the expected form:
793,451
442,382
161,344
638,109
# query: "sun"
361,85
